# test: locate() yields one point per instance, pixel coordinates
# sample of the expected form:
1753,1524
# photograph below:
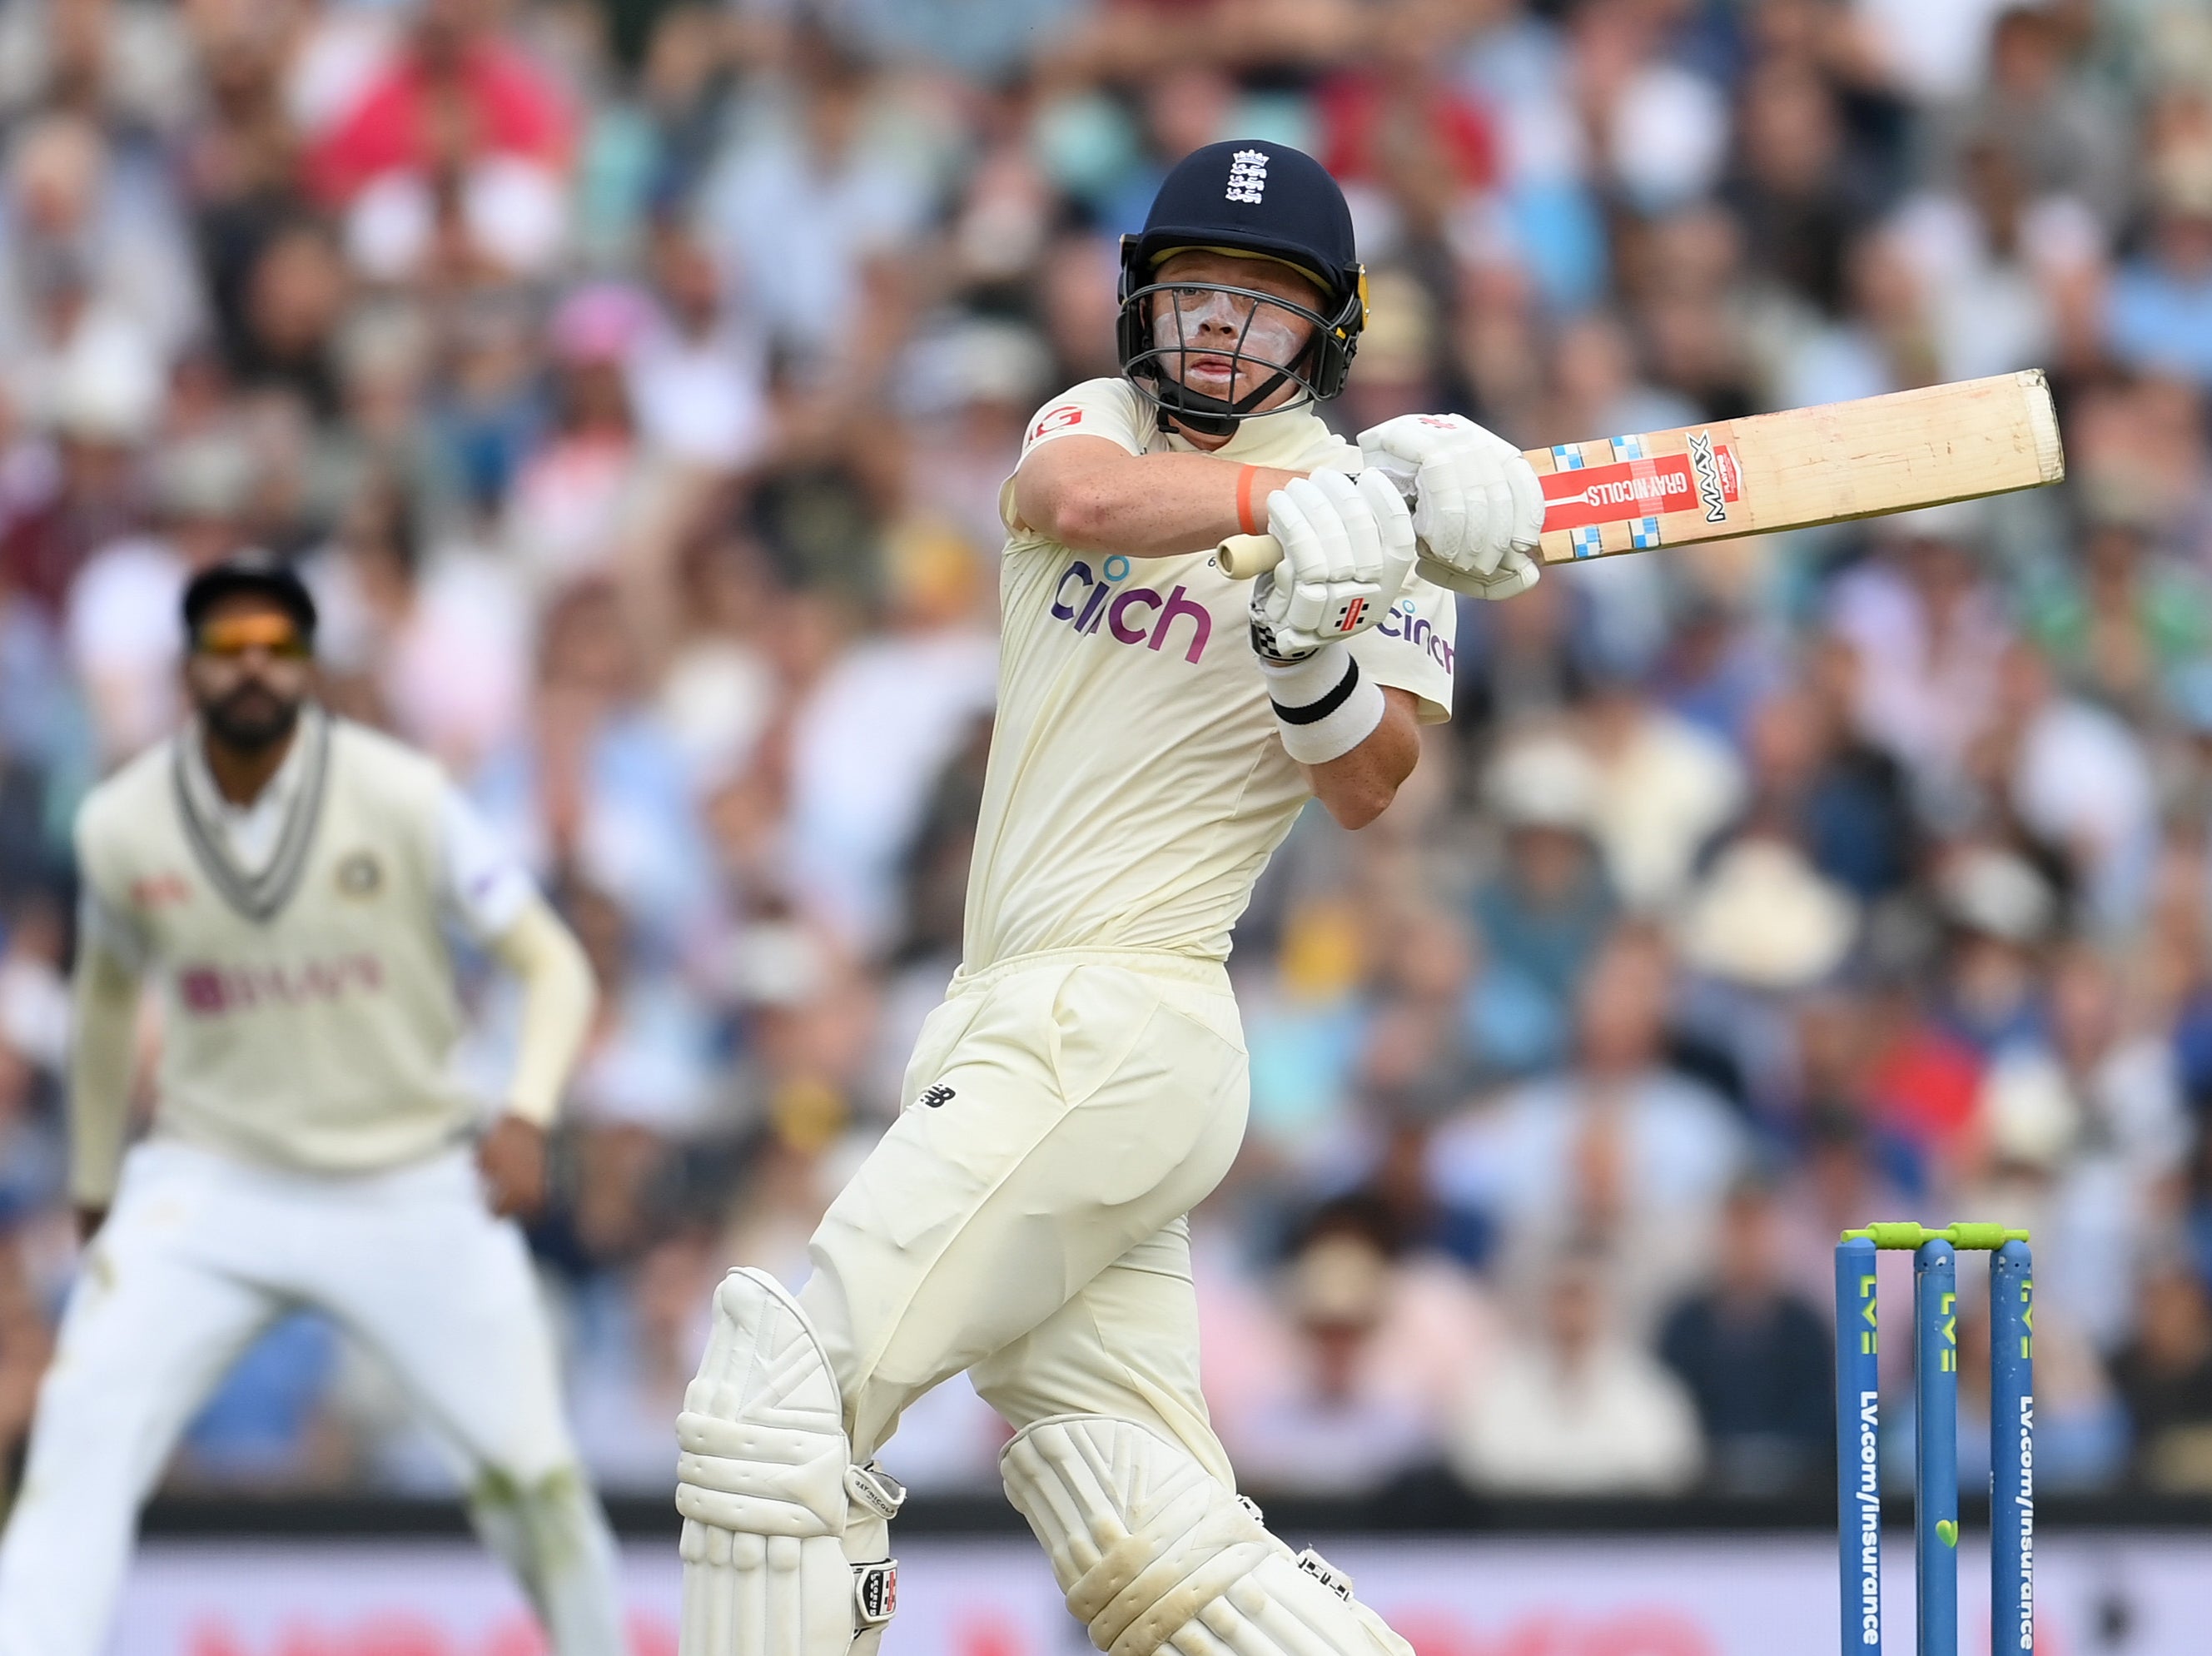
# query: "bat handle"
1241,557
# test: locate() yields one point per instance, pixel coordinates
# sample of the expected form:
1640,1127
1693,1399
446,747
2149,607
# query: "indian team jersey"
309,1006
1136,784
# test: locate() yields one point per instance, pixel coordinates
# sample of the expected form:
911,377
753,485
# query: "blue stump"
1936,1445
1858,1448
2011,1451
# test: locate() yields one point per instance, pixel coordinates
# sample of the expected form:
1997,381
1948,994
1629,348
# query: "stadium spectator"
1753,1356
2165,1377
1337,1422
1574,1406
2160,312
1550,904
1615,1150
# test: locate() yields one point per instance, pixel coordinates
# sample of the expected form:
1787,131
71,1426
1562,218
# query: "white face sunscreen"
1206,319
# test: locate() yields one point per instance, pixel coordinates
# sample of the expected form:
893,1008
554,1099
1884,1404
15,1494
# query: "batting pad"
1155,1556
760,1484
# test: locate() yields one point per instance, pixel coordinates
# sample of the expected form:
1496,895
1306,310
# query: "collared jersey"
1137,785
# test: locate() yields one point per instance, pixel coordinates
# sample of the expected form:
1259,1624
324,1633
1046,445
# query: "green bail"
1908,1233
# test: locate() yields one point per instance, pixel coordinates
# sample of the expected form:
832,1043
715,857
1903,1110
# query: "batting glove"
1347,547
1514,576
1479,511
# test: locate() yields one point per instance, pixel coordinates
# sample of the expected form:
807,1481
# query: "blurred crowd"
634,378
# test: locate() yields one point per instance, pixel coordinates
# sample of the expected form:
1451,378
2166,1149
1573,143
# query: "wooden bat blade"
1768,472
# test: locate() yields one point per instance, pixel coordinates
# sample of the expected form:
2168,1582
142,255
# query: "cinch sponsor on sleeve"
1418,631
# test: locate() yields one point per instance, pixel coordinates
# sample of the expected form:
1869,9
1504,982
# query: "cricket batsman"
286,879
1083,1084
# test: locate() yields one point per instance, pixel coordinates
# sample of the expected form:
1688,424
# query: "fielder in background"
1159,729
285,878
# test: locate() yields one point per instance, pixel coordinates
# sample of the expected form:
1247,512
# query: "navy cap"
1253,196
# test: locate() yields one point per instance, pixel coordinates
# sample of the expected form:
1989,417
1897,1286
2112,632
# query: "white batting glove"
1347,548
1479,511
1513,576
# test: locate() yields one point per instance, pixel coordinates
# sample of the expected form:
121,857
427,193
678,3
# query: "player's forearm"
1358,787
104,1016
557,999
1144,505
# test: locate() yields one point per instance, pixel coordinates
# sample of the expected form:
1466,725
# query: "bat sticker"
1708,468
1577,496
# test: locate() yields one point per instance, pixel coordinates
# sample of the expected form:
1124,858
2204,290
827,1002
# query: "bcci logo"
1247,176
359,874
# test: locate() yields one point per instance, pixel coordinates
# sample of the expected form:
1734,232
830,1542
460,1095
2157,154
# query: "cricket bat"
1772,472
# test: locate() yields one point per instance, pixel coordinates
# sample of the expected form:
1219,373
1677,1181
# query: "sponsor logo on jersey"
1063,419
1400,621
161,890
1708,477
205,990
1247,176
935,1098
1089,601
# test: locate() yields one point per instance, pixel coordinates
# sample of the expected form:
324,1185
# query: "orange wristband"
1245,476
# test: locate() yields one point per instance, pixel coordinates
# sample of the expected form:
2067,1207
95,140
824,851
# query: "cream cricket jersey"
309,1011
1136,784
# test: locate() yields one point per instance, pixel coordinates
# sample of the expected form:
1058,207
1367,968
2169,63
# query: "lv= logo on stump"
1935,1435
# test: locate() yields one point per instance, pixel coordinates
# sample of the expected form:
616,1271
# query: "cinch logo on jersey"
208,991
1400,621
1247,176
1088,601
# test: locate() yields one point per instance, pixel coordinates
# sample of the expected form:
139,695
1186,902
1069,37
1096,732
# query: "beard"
252,718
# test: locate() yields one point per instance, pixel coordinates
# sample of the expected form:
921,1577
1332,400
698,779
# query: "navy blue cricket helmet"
1245,196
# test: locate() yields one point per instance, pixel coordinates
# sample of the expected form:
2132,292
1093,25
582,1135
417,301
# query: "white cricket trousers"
199,1255
1023,1217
